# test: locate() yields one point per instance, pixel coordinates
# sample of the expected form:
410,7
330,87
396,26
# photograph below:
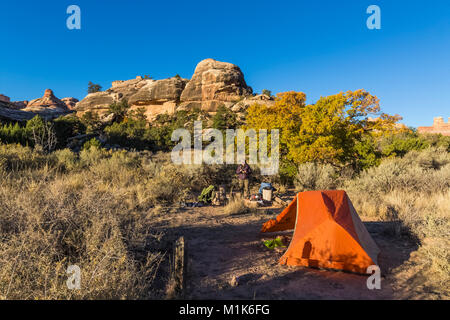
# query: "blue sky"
318,47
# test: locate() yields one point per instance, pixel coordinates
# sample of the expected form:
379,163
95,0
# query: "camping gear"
267,195
220,196
328,233
207,194
255,197
266,185
274,243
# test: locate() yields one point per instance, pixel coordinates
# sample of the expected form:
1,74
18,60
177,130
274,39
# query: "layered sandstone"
47,104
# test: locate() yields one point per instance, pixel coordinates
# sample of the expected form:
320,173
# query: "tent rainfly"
328,233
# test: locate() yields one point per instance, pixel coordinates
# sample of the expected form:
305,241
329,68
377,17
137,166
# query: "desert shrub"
172,184
267,92
313,176
92,143
414,172
15,157
431,158
66,159
92,155
437,141
120,167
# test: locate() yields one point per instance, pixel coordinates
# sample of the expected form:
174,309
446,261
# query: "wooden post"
180,267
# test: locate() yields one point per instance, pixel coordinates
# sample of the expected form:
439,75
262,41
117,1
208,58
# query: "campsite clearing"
228,260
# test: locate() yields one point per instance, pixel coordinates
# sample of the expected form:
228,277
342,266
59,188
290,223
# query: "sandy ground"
222,247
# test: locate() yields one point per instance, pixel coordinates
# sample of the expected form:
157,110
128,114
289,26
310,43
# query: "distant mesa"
439,126
49,107
213,84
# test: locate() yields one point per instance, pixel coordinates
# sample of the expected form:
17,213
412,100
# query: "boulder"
214,83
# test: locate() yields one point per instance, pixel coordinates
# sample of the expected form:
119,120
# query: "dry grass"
236,206
92,210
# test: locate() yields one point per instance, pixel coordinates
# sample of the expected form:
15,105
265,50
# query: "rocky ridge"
213,84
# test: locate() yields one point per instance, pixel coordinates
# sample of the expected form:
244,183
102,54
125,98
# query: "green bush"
67,127
224,119
14,133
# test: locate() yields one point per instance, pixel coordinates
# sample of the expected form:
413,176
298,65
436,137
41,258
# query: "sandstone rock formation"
4,98
159,96
439,126
8,111
251,100
70,102
47,101
21,104
100,101
213,84
13,104
48,107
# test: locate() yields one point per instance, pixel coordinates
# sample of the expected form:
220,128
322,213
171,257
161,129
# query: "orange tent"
328,233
